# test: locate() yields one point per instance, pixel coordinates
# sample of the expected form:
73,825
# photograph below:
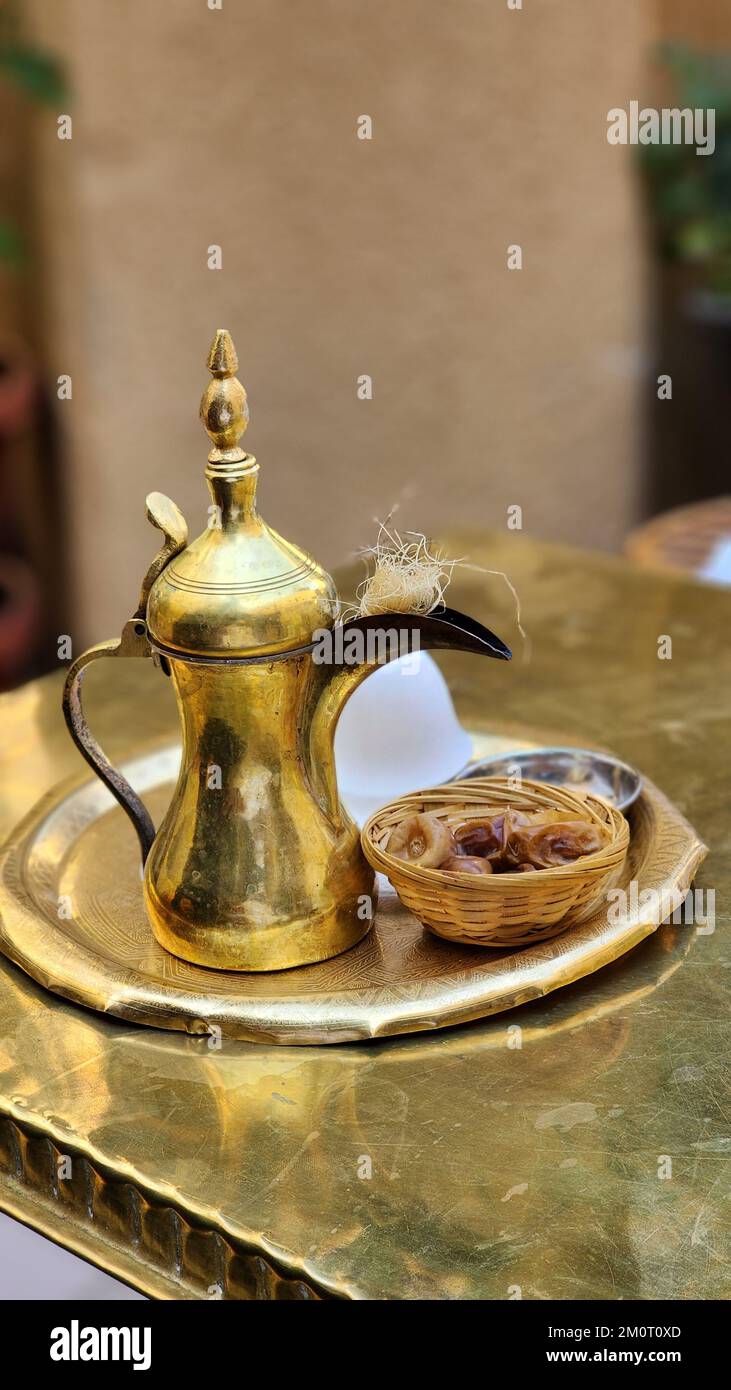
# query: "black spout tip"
458,632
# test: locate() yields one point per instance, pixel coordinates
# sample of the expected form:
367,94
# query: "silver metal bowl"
576,769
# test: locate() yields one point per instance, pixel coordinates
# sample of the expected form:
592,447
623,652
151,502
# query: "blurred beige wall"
343,257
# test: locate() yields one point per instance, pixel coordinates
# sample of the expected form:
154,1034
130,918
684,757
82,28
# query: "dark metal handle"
132,643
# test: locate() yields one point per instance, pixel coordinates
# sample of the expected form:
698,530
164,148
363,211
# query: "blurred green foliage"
39,75
690,194
41,78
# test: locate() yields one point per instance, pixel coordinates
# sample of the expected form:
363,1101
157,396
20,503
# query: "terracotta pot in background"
24,519
21,618
18,388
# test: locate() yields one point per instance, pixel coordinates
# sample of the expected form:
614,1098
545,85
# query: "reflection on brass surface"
494,1165
400,979
256,865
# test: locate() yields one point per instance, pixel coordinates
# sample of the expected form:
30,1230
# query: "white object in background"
397,733
717,568
34,1269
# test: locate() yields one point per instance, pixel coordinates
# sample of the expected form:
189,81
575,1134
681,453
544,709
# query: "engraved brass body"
255,866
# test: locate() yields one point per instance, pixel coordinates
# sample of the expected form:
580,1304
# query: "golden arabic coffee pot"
256,865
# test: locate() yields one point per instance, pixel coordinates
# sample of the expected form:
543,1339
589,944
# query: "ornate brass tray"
72,917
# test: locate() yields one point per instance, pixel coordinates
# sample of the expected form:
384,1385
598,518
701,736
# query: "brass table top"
590,1162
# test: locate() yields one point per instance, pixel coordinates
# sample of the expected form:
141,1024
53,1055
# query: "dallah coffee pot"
256,865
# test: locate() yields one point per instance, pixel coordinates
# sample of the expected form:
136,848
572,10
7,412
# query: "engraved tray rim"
496,982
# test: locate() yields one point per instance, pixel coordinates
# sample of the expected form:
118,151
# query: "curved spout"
443,628
351,651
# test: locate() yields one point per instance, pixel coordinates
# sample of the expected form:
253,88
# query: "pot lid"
239,589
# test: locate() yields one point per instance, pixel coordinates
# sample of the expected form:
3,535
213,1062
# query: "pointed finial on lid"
224,410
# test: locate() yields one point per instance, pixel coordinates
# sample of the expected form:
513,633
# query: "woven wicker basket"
508,909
